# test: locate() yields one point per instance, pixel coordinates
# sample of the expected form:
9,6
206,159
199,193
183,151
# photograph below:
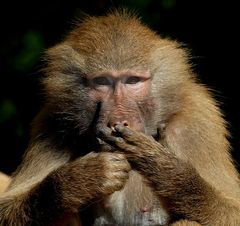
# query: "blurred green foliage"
28,56
8,110
168,4
9,114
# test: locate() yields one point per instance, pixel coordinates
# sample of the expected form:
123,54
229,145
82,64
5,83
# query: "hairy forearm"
37,204
20,203
12,212
187,194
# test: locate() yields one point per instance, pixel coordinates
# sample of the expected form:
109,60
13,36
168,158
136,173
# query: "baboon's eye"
102,81
132,80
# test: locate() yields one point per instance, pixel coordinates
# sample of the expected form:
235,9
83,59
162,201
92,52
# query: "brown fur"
185,223
76,164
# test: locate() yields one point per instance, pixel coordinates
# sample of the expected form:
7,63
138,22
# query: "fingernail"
119,127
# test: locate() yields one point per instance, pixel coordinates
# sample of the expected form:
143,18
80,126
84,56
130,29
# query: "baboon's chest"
135,205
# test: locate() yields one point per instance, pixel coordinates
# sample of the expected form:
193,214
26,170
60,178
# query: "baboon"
127,136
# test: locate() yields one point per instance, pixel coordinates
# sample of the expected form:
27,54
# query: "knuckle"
127,167
113,184
119,155
105,156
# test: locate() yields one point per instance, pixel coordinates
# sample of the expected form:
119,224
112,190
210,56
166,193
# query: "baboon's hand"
91,177
135,145
167,173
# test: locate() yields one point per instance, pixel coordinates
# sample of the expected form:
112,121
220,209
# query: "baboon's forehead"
115,40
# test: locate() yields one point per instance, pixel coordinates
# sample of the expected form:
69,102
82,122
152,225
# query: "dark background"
208,28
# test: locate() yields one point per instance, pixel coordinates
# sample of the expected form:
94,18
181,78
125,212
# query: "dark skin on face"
120,89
